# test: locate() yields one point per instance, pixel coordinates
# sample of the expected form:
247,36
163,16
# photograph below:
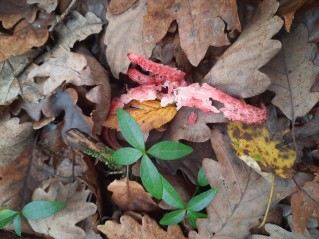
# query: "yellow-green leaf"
254,141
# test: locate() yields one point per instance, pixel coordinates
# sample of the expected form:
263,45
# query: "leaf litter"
67,66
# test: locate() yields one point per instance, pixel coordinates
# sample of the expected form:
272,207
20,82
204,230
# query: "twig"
60,18
262,224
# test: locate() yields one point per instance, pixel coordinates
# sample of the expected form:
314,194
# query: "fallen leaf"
124,34
77,28
63,223
242,195
277,232
131,229
120,6
47,5
24,37
293,73
131,196
148,114
288,10
304,205
200,24
254,142
13,11
254,47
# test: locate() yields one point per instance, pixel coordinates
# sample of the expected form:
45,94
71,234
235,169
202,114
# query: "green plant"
34,210
192,208
165,150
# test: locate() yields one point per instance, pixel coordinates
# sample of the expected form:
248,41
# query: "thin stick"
262,224
59,19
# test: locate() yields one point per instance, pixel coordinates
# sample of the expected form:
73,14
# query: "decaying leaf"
124,34
200,24
63,223
277,232
13,11
293,73
242,194
16,144
131,229
254,47
47,5
305,205
148,114
120,6
254,141
131,196
25,36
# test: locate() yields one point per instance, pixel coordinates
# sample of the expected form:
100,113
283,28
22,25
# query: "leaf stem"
262,224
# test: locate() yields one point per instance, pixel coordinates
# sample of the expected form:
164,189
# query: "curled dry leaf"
131,229
148,114
63,223
254,47
242,194
293,73
305,205
124,34
200,24
131,196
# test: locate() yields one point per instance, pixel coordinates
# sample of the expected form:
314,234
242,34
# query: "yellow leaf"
254,141
148,114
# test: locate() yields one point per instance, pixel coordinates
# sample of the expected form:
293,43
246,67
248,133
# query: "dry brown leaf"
148,114
305,205
131,196
131,229
242,196
236,72
124,34
63,223
277,232
46,5
13,11
200,24
293,73
120,6
25,36
288,10
198,132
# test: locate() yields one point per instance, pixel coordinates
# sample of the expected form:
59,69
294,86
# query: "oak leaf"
255,143
47,5
131,196
200,24
254,47
124,34
131,229
242,196
63,223
293,73
119,6
304,205
148,114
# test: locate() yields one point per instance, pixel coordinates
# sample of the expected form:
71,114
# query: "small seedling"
165,150
32,211
193,207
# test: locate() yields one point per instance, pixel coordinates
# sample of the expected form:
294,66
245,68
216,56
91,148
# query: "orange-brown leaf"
148,114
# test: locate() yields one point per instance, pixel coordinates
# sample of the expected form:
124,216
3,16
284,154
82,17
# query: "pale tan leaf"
237,71
124,34
293,73
200,23
131,229
63,223
131,196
